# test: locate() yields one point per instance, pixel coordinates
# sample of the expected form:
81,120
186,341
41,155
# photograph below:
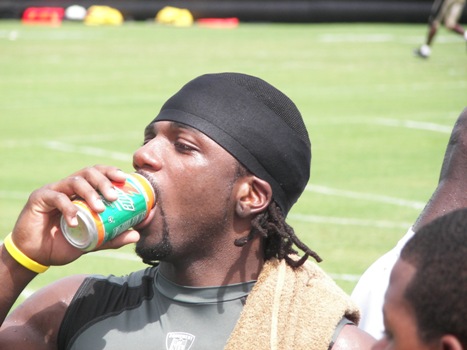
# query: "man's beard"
151,255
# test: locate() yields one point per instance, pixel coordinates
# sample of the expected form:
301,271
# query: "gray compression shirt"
146,311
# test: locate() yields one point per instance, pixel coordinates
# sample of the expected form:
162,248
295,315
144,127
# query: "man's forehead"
172,125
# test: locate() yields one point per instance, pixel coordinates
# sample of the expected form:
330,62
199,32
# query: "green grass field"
378,117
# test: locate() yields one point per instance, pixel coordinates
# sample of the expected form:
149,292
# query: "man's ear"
254,196
450,342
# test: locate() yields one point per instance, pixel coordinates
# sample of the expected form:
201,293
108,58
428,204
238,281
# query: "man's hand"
37,231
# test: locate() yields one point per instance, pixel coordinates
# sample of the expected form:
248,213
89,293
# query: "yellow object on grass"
103,15
175,16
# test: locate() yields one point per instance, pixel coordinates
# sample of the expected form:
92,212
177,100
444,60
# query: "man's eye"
148,136
183,147
146,140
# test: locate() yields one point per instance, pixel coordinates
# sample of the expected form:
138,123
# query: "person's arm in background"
451,192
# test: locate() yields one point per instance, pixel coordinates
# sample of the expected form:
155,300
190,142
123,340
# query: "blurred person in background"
447,12
449,195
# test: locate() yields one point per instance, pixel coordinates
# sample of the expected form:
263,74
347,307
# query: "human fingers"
37,229
90,183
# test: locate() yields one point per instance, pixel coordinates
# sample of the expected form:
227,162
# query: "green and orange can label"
136,198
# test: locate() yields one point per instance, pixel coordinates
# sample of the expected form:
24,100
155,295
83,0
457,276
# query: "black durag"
255,122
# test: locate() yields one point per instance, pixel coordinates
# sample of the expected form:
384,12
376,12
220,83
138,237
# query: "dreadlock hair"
279,237
438,289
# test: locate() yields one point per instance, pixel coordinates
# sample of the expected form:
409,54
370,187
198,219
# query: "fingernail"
74,221
121,173
99,204
113,192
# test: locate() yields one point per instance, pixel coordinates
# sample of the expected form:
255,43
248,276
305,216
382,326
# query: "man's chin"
153,253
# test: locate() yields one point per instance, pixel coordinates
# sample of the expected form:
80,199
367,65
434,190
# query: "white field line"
410,124
383,38
17,34
344,277
365,196
58,145
91,151
348,221
13,195
82,139
396,123
360,38
113,254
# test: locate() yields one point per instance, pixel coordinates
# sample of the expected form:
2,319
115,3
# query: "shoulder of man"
35,323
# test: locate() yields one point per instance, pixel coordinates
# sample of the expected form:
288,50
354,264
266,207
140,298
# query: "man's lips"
147,220
152,212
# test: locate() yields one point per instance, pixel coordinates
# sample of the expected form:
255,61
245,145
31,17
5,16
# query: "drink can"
136,198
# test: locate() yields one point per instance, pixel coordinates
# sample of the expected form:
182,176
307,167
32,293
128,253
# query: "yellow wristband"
21,258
